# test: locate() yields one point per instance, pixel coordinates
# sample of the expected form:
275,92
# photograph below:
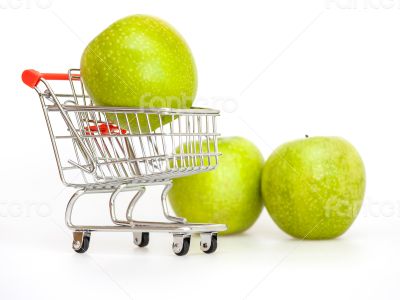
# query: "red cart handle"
32,77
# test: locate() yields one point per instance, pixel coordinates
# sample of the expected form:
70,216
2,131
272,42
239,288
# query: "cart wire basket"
124,149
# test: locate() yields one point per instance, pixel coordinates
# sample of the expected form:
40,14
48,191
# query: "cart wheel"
81,242
141,239
181,244
208,242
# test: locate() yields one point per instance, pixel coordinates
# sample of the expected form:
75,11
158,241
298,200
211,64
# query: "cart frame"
115,152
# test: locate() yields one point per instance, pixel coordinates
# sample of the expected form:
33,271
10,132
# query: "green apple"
229,195
313,188
139,61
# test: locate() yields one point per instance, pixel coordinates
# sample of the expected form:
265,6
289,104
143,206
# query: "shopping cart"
118,149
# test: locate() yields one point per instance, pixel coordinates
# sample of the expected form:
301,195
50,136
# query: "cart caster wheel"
181,244
141,239
208,242
81,241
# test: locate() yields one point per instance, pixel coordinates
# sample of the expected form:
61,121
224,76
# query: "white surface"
277,70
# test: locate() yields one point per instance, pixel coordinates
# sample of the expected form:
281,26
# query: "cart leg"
70,206
140,239
129,212
81,192
167,215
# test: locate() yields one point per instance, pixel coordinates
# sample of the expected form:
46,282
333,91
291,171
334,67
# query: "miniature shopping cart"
118,149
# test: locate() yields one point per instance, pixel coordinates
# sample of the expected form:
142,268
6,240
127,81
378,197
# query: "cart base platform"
178,227
156,227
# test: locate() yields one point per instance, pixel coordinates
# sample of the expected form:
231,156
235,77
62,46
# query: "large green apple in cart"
139,61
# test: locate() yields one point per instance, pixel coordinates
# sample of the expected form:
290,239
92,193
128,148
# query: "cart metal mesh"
108,146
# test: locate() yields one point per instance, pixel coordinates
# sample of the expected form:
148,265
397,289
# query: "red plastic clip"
105,129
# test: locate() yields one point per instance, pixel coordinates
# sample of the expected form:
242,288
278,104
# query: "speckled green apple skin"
230,194
139,61
313,188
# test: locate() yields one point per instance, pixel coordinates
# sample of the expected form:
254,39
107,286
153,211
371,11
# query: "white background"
277,70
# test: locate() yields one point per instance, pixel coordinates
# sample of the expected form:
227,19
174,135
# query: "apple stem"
306,136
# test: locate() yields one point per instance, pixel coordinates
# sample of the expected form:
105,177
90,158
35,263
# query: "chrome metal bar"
167,215
162,111
131,206
129,212
69,123
156,227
